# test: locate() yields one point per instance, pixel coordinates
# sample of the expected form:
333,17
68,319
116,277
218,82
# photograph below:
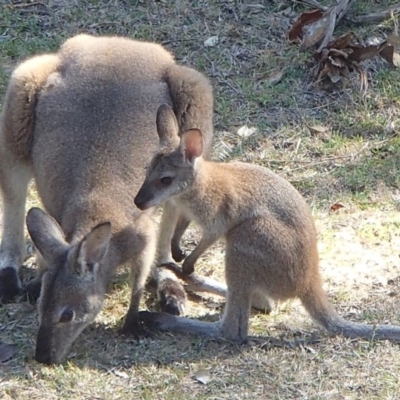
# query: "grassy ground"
334,147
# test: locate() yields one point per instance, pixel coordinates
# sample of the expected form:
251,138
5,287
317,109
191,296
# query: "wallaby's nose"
43,347
43,358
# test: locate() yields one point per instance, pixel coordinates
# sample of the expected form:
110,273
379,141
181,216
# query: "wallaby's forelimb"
177,253
139,271
205,242
170,293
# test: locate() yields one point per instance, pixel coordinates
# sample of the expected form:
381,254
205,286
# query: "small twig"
28,5
350,156
377,16
313,3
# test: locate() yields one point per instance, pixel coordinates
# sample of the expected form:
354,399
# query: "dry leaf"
315,32
211,41
275,76
213,305
319,128
336,206
203,376
345,55
7,351
307,18
121,374
246,131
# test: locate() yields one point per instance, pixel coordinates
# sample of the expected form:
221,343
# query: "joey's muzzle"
142,199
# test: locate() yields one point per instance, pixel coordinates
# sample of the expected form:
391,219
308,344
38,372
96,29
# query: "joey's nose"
140,201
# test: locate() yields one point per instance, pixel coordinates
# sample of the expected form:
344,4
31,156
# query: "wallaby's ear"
46,234
94,247
192,144
167,126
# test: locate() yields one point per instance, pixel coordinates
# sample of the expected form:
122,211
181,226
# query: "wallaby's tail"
17,121
322,311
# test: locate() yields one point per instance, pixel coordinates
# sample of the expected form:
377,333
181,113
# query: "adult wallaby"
271,244
81,122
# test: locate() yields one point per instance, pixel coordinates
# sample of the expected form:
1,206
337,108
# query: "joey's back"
234,192
96,113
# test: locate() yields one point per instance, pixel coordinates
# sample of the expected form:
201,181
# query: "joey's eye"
67,315
167,180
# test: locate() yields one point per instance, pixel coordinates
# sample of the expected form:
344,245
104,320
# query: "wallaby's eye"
67,315
167,180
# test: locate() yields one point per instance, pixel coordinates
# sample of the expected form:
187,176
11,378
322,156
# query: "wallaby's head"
173,168
72,290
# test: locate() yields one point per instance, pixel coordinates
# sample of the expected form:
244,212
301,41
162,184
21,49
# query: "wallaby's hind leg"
16,134
14,180
177,254
170,291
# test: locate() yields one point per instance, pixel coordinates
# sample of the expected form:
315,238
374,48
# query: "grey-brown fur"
81,122
271,242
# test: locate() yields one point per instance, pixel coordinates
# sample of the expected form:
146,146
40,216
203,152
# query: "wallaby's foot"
134,327
172,323
32,290
171,294
151,320
177,253
10,285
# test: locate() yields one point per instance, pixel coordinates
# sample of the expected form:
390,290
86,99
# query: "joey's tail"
322,311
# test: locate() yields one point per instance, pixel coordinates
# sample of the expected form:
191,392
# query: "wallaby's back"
102,87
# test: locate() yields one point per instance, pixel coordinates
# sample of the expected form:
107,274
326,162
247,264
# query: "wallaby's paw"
266,309
172,297
175,268
32,290
178,254
10,286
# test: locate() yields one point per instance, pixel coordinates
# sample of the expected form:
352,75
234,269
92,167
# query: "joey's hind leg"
170,291
14,180
240,282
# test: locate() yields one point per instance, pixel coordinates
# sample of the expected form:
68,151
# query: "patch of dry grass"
353,157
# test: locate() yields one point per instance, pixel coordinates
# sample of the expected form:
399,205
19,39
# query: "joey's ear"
192,144
167,126
94,247
46,234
